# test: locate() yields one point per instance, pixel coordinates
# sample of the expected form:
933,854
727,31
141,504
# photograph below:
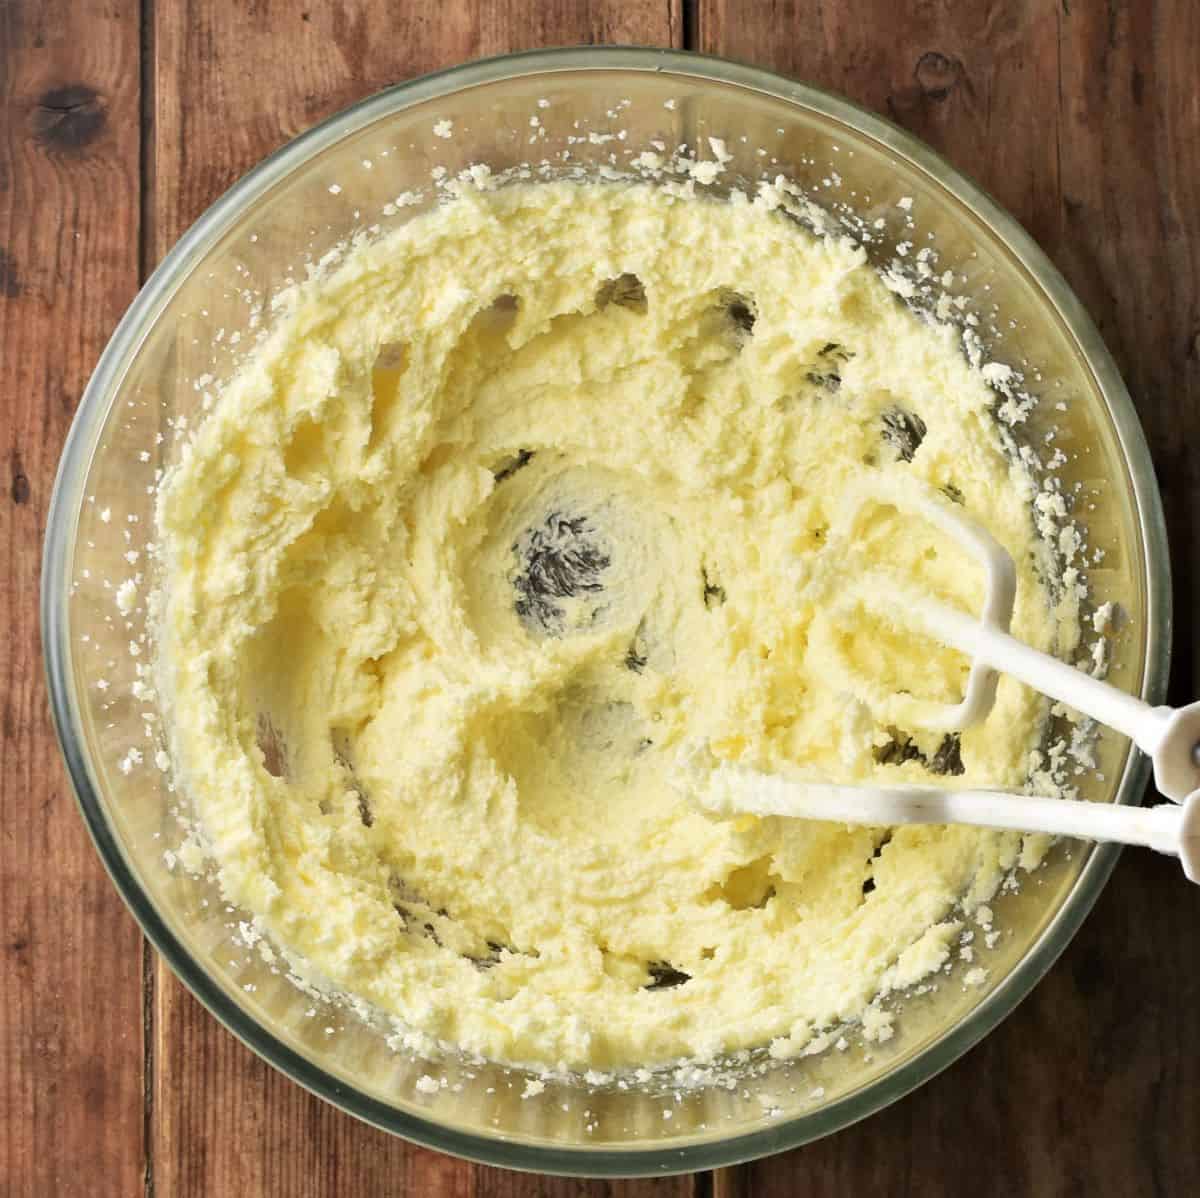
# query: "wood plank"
225,1122
231,83
70,973
1084,120
235,81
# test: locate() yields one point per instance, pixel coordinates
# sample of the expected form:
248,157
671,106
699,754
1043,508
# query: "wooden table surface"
121,122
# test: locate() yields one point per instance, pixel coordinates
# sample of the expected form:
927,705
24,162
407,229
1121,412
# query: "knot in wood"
937,75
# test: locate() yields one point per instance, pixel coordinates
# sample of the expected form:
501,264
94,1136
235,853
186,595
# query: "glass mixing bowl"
181,336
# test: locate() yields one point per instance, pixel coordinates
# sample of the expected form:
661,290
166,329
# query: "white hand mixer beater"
1169,736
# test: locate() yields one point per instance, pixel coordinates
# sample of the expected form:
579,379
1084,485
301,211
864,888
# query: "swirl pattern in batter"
514,504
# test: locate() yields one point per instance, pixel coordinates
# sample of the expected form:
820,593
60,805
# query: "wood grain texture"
234,81
231,82
70,980
226,1123
1084,120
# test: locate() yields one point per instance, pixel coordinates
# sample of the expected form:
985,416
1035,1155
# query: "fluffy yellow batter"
513,506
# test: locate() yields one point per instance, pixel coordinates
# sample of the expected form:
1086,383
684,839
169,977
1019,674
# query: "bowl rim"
657,1158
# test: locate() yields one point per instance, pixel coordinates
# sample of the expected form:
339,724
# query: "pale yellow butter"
510,507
